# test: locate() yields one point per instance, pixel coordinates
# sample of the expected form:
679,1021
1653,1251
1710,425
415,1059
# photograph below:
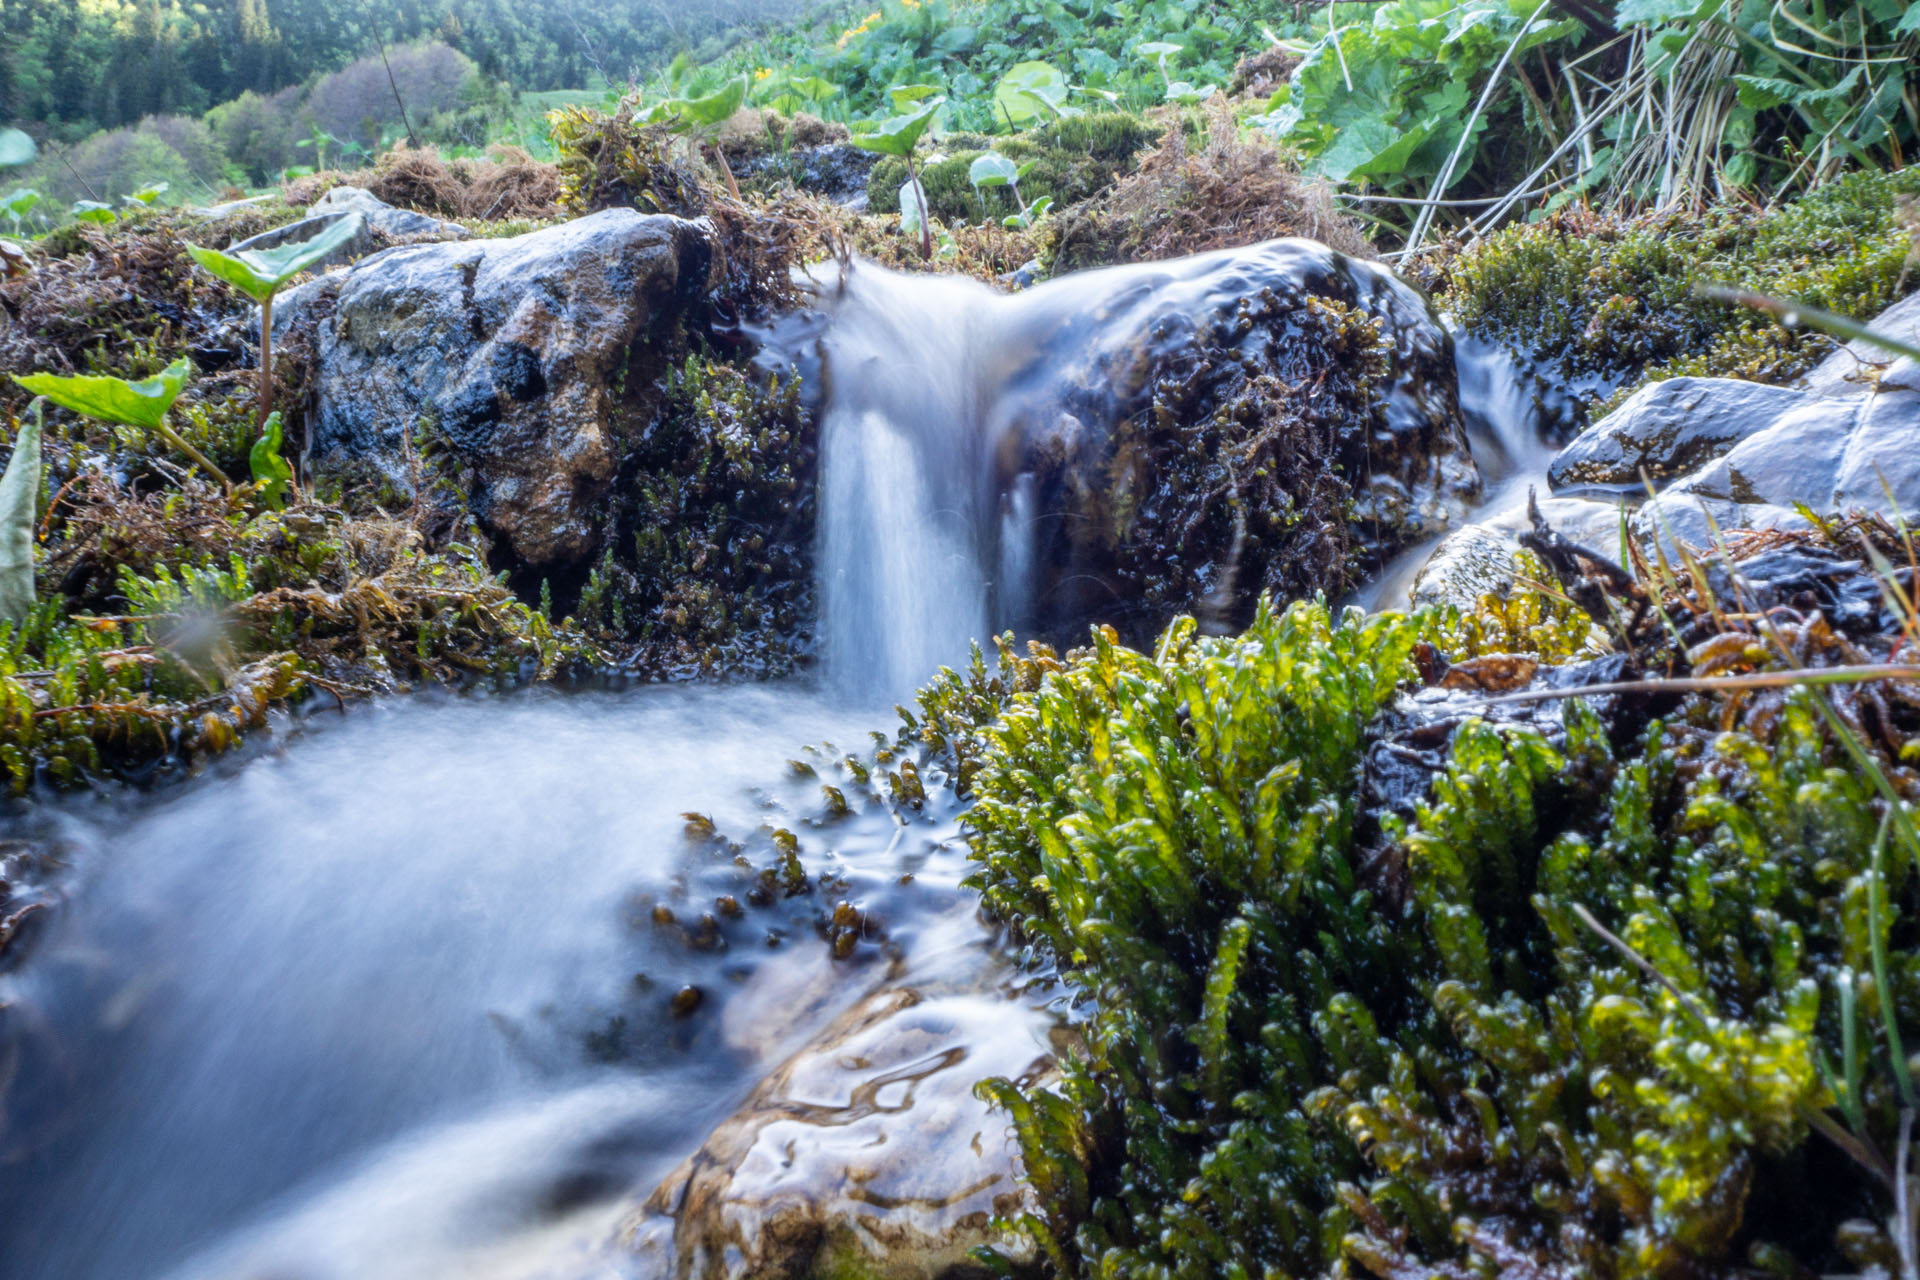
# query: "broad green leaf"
259,273
20,202
19,499
270,471
94,211
147,195
813,88
991,169
896,135
715,108
1157,49
955,41
16,148
904,96
1632,13
1909,23
1029,91
137,404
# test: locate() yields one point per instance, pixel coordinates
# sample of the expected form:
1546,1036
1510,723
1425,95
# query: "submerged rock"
508,353
865,1154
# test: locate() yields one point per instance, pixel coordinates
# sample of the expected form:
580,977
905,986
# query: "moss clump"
1300,1063
1600,304
710,563
1073,159
1216,187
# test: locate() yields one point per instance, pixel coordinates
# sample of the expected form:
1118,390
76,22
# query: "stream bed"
367,1005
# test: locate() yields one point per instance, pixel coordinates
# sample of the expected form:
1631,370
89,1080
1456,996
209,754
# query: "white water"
331,1017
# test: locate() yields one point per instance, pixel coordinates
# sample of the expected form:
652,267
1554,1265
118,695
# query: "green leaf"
20,202
16,148
716,108
904,96
94,211
1909,23
1157,49
19,498
147,195
270,471
991,169
813,88
259,273
1029,91
897,135
138,404
909,209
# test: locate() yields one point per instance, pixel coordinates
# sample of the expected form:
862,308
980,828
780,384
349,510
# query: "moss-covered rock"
1595,305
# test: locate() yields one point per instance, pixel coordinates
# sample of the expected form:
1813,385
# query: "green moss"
1601,305
1072,158
1298,1064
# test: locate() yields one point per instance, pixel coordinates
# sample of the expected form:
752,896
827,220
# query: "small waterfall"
943,397
905,495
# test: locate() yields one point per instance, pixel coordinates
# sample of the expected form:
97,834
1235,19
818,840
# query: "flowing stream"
384,997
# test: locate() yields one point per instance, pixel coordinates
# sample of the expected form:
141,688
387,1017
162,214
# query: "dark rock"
510,349
1667,429
1278,418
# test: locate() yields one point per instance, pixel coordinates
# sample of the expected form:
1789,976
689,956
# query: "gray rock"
1667,429
1480,558
383,217
1852,369
866,1154
509,348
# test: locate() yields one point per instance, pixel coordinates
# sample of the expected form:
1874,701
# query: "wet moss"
1300,1060
1598,305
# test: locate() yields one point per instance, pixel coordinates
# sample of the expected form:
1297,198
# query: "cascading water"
366,1005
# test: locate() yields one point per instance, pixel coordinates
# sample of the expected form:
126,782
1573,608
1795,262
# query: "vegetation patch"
1221,190
1618,988
1597,304
1072,159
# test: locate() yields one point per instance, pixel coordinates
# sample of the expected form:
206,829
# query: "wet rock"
1278,418
383,217
1667,429
1481,557
1833,454
507,352
837,171
1672,521
1853,368
864,1154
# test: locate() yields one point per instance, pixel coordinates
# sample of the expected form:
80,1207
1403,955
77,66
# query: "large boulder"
865,1154
509,351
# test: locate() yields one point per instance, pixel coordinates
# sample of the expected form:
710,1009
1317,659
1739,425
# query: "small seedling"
701,119
93,211
897,136
18,204
134,404
992,169
261,273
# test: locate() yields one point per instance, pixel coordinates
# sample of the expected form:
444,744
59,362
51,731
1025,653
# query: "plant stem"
266,366
173,438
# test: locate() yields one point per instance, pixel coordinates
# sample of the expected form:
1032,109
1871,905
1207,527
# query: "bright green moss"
1601,304
1072,159
1299,1064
